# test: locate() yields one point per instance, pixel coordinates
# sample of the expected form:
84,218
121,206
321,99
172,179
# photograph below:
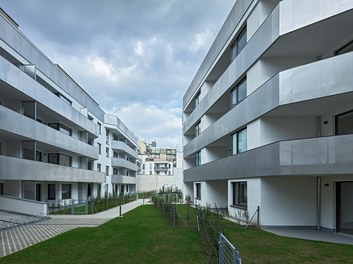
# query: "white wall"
265,68
213,153
215,193
23,206
288,201
155,182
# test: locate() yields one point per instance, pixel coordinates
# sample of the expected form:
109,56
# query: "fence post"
174,215
220,252
72,206
120,210
258,216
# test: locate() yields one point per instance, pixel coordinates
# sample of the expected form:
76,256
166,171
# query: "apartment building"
160,167
268,117
56,143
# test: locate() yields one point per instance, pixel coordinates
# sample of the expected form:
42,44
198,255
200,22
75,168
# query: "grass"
141,236
145,236
258,246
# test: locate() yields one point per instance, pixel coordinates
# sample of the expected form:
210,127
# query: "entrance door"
344,209
38,191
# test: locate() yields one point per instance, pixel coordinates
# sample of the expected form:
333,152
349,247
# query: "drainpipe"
318,203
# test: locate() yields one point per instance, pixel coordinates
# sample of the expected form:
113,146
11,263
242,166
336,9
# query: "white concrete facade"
56,143
267,119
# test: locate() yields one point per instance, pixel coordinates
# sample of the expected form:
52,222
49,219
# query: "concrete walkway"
309,234
19,237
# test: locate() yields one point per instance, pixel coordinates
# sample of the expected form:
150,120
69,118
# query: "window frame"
198,191
337,123
197,158
197,98
68,192
238,191
51,196
235,91
235,147
235,44
198,128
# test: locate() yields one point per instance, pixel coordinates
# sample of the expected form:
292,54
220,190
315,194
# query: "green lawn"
257,246
145,236
141,236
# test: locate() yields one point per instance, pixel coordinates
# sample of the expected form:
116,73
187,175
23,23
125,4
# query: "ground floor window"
51,191
1,188
198,191
66,191
240,194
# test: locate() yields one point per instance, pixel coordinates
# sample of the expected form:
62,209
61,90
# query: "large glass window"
240,194
99,167
198,158
99,128
198,191
238,44
66,191
99,148
51,191
197,98
344,123
239,141
198,128
239,92
61,128
59,159
106,170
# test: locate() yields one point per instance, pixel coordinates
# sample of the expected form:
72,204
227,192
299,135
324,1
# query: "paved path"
21,236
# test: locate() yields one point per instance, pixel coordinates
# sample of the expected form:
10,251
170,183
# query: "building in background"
268,118
56,143
160,167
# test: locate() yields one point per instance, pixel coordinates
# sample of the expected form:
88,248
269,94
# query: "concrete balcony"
123,179
323,156
322,85
118,162
22,83
27,170
28,128
14,38
317,24
121,146
114,123
161,168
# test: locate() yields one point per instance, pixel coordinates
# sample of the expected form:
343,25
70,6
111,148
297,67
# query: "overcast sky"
136,58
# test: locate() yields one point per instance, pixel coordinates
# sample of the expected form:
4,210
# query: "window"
99,148
107,136
61,128
107,152
115,171
198,191
240,195
51,191
38,156
198,128
197,98
63,98
60,159
239,141
238,44
99,167
90,117
346,48
66,191
198,158
1,188
239,92
99,128
344,123
106,170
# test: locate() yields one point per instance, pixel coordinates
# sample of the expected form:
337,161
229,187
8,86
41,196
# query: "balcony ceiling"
314,40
